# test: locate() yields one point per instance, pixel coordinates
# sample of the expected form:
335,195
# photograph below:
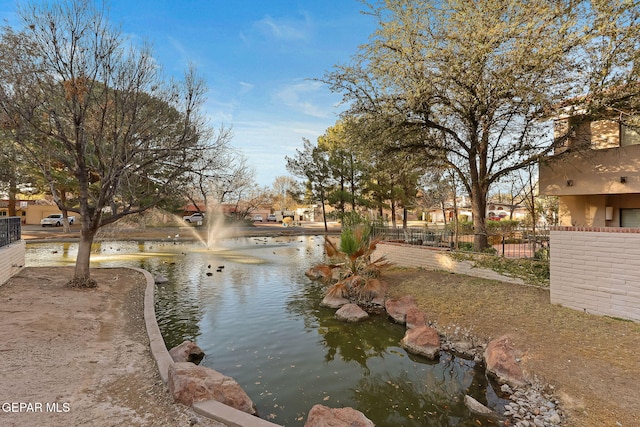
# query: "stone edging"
208,408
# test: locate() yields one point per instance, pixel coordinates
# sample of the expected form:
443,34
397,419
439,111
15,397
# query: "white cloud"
288,30
245,87
301,96
265,143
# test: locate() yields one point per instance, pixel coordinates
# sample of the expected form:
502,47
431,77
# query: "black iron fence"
10,230
518,243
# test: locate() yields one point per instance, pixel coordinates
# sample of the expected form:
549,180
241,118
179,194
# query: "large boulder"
500,359
415,318
333,301
188,351
422,340
323,416
397,308
351,313
189,383
477,408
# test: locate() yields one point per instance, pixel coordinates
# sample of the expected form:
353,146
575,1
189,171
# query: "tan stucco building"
596,175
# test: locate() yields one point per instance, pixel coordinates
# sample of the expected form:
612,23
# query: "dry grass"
591,361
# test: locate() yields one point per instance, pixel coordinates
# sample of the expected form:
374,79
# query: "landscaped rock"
397,308
501,363
189,383
333,302
477,407
160,279
378,301
422,340
188,351
319,272
351,313
323,416
415,317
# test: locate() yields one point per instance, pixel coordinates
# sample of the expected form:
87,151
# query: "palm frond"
330,248
338,289
371,289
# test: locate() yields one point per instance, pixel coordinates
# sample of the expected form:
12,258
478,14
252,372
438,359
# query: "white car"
272,217
257,218
196,217
56,220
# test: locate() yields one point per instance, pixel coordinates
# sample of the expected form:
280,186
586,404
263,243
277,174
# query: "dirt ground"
80,357
592,363
96,355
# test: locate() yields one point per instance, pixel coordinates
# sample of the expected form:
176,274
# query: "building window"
629,136
630,218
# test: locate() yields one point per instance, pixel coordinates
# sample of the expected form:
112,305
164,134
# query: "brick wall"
597,270
11,260
434,259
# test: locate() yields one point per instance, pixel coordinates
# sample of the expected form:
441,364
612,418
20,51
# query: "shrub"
358,273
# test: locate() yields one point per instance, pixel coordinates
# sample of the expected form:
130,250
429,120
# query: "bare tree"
81,99
287,192
214,171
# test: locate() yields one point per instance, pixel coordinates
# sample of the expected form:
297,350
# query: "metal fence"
520,243
10,230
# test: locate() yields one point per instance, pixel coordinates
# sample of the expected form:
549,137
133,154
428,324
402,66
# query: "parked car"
271,217
195,217
257,218
56,220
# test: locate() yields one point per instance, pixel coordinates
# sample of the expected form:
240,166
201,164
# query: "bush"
465,246
542,254
531,271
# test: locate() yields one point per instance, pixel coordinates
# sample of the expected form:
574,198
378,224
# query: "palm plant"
358,279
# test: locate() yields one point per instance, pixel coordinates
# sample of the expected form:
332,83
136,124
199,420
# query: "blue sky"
258,57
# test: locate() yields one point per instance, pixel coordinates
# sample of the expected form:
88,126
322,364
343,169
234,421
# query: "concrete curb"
208,408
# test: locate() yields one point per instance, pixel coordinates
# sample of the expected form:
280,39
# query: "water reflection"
259,321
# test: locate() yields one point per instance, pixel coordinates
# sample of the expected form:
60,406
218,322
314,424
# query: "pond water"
259,321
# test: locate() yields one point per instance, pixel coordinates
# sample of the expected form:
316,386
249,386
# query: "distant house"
596,174
495,211
32,211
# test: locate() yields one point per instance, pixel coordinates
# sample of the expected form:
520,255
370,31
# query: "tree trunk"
456,226
393,214
82,276
444,213
404,218
479,208
13,190
324,212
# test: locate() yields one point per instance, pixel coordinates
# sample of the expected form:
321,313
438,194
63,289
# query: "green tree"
312,163
81,98
345,166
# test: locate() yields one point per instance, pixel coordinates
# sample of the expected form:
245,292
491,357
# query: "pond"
249,306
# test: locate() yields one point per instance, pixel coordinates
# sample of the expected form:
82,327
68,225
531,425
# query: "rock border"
529,406
208,408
